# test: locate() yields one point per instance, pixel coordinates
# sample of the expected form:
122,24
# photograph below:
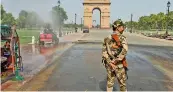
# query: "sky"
119,8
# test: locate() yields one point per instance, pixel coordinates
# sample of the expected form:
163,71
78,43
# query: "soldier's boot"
123,89
109,89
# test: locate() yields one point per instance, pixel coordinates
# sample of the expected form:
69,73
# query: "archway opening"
96,18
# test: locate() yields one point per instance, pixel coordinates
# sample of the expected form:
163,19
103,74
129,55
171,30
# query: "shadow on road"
103,84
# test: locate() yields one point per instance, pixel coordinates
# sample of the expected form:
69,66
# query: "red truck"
48,37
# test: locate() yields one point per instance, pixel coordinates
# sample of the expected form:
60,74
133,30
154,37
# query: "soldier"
113,56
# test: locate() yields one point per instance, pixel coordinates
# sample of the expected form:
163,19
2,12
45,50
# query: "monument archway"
96,18
103,6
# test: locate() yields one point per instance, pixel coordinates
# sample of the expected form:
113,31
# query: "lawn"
26,35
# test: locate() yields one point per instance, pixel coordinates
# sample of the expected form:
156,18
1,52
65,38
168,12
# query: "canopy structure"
6,32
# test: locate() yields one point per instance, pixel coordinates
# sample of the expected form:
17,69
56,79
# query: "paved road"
80,68
37,57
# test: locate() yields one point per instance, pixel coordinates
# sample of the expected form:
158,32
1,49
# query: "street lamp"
60,34
168,5
59,2
81,24
131,30
75,23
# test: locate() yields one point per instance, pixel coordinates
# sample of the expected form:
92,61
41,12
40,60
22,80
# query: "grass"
26,35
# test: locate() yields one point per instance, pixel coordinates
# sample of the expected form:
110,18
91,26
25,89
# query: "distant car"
86,30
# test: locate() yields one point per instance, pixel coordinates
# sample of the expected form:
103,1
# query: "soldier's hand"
112,65
113,61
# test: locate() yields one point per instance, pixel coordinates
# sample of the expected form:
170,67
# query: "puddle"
37,57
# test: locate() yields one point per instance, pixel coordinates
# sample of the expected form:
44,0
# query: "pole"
15,59
75,23
81,24
167,22
131,23
59,2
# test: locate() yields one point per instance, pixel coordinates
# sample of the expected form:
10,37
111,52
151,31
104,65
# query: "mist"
41,7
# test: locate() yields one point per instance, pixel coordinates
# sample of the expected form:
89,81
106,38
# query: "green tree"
3,12
32,19
29,20
58,16
161,20
170,20
7,18
22,19
144,22
153,21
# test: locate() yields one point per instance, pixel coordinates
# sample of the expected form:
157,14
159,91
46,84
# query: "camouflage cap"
117,23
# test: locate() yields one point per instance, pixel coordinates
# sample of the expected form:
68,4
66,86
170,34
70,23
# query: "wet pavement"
80,68
35,57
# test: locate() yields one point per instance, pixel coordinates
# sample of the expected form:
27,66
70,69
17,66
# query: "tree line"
7,18
153,21
30,19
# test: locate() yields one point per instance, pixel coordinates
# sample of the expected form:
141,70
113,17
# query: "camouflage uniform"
117,55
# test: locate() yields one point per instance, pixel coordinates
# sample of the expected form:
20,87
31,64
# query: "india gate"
103,6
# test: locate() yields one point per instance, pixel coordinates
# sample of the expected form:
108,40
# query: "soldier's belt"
119,66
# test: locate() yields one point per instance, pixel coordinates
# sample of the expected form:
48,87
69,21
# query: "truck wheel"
41,43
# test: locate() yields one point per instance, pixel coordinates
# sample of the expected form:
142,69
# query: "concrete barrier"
32,39
64,33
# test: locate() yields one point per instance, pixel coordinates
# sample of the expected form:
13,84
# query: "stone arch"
98,8
103,6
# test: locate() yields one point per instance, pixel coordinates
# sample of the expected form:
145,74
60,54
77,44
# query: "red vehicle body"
48,38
